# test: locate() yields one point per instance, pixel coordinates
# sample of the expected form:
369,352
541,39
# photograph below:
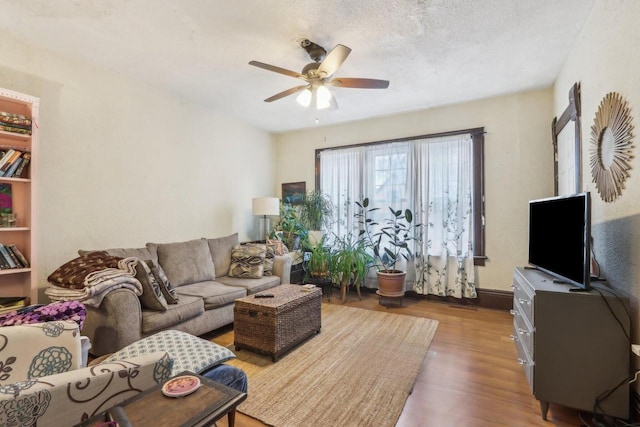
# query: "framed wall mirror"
567,169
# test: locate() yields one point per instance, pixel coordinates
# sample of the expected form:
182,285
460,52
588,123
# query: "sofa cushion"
140,253
252,286
189,353
186,262
220,249
187,308
152,297
213,293
247,261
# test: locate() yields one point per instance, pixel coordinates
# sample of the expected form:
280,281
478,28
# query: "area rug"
359,370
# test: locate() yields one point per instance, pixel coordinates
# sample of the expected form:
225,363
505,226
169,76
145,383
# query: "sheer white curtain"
341,179
443,204
432,177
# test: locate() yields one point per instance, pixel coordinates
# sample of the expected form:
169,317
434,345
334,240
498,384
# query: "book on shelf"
7,155
14,129
10,161
5,254
4,265
22,168
23,261
12,170
15,119
13,256
9,304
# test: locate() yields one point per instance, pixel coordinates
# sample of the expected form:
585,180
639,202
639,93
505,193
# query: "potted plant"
389,245
319,259
289,229
349,264
316,211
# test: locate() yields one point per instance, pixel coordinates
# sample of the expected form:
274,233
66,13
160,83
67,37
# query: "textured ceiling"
433,52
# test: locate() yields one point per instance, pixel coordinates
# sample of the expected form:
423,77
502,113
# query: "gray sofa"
198,270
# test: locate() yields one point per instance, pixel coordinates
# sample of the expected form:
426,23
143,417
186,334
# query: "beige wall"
518,156
605,59
121,164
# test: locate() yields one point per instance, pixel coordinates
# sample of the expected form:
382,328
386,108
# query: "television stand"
571,347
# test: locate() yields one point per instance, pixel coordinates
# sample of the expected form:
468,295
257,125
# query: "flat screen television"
560,237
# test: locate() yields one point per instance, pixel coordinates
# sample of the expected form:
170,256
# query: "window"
437,176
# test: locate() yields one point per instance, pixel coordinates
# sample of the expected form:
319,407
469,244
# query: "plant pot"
391,283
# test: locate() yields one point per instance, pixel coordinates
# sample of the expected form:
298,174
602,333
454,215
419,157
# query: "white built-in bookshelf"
18,280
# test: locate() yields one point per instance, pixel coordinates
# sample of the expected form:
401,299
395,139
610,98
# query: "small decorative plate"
181,386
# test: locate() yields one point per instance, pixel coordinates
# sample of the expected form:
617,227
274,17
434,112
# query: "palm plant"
316,210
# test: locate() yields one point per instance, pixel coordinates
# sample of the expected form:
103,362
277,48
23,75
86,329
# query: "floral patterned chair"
42,382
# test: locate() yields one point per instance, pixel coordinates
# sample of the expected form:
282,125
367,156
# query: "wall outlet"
635,348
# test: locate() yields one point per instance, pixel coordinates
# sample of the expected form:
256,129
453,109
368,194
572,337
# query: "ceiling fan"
319,74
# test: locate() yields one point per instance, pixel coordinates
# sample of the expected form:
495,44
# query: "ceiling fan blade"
333,60
277,69
286,93
359,83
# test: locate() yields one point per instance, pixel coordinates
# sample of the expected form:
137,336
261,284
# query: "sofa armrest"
116,323
282,268
72,397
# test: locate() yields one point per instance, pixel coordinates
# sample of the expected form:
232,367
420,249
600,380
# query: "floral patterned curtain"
443,204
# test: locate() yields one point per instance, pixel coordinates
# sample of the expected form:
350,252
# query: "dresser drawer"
525,361
523,331
523,296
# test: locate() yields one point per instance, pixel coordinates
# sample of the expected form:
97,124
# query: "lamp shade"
266,206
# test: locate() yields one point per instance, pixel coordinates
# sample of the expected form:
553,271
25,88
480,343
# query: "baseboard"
487,298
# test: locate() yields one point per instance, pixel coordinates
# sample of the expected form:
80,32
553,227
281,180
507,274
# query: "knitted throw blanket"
90,277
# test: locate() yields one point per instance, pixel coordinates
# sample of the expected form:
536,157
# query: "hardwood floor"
470,376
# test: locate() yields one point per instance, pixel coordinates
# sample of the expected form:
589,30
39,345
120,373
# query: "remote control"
264,296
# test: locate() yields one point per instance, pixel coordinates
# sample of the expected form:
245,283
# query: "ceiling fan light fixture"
323,98
304,98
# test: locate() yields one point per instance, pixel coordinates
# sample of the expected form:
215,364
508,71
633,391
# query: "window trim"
477,135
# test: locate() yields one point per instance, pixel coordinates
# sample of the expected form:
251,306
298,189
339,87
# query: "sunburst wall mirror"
611,146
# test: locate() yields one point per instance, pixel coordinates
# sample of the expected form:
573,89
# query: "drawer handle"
522,362
513,338
514,287
253,313
522,331
524,301
513,312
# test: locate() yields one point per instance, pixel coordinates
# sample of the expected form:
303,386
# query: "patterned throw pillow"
152,297
247,261
168,291
269,257
189,352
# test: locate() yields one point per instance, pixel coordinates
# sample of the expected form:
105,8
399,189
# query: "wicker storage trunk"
273,326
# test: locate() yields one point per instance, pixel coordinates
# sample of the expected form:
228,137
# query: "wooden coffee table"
203,407
275,325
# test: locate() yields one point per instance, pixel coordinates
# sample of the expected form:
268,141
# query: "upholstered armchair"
43,383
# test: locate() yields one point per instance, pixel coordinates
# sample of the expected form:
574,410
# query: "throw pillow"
247,261
278,246
186,262
220,248
189,352
269,257
152,297
168,291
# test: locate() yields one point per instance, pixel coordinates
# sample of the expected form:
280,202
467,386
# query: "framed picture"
293,192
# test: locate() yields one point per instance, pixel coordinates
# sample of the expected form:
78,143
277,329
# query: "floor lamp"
265,206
